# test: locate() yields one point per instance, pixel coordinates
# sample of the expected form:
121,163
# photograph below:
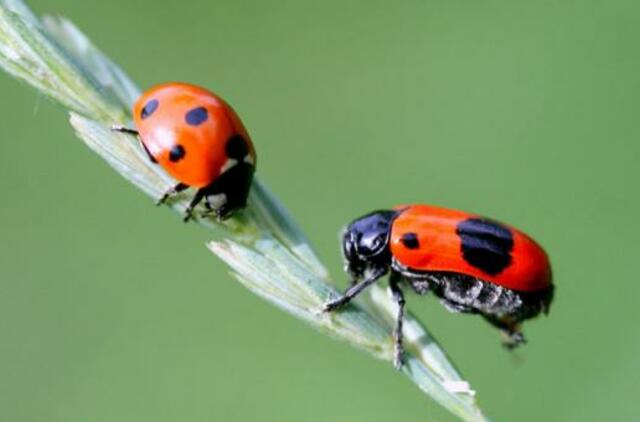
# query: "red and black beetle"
473,264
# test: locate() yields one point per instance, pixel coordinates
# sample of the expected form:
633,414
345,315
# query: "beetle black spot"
149,108
196,116
236,147
486,245
410,241
177,153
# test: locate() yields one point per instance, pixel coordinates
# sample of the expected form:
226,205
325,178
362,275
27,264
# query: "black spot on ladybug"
236,147
149,108
486,244
196,116
177,153
410,241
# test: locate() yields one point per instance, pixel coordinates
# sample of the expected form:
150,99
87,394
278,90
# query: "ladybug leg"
197,198
354,290
124,129
398,297
174,190
133,132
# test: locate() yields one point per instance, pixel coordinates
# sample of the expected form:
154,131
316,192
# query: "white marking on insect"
228,164
217,201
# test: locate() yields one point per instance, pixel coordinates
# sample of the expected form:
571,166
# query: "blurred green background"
113,310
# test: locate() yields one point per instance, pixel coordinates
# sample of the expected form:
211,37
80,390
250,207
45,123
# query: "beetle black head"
365,242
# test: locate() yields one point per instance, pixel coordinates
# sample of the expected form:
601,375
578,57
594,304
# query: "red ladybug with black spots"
472,264
200,141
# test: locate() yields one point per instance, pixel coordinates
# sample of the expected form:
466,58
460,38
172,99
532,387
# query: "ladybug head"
365,243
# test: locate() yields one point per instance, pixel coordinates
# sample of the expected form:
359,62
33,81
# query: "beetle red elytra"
200,141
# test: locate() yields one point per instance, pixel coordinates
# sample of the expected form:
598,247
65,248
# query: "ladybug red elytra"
200,141
471,263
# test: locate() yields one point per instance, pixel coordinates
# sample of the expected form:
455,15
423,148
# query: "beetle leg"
398,297
188,213
133,132
512,339
124,129
354,290
512,336
174,190
510,331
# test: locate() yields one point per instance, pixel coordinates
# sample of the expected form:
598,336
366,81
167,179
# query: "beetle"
473,264
200,141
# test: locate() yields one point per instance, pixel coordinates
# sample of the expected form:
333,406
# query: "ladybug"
472,264
200,141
